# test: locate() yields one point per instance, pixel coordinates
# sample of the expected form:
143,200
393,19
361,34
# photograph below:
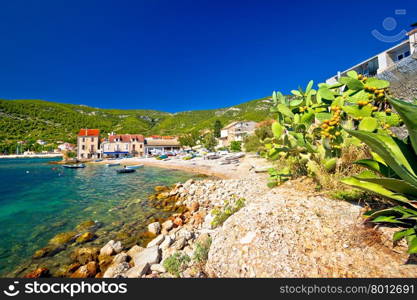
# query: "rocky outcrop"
285,233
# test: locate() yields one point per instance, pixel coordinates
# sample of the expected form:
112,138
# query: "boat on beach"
134,167
125,170
113,164
74,166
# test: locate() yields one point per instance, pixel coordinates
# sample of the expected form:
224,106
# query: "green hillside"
51,121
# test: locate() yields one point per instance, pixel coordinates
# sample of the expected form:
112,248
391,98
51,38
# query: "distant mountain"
51,121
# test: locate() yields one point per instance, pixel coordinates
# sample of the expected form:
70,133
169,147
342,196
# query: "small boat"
113,164
163,156
133,167
122,171
98,160
75,166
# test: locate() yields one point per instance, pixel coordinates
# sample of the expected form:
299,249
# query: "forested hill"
51,121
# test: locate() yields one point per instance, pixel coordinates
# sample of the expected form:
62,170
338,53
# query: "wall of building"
403,78
124,147
90,145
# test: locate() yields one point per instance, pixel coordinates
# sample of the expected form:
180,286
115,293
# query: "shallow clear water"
39,200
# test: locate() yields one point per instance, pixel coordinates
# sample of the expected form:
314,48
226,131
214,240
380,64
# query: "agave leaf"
391,151
382,212
403,233
393,184
377,167
374,188
412,244
378,158
408,112
388,219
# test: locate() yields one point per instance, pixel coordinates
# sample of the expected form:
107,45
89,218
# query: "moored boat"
125,170
134,167
75,166
113,164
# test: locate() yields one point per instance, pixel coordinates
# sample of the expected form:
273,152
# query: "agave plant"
392,174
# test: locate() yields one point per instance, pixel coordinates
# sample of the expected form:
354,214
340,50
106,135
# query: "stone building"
236,131
121,145
88,144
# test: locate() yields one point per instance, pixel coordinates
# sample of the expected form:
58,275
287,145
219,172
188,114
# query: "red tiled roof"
89,132
126,138
162,137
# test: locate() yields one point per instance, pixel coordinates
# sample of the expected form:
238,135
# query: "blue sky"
183,54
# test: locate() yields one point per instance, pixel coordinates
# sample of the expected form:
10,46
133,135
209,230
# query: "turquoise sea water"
39,200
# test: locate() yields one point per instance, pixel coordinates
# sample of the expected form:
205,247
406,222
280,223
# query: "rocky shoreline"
240,228
186,234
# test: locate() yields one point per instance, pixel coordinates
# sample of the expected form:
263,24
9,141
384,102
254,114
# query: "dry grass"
345,167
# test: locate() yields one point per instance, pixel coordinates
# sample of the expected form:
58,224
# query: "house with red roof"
88,144
121,145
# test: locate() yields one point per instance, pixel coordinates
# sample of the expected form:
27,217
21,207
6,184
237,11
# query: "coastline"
199,165
31,156
288,231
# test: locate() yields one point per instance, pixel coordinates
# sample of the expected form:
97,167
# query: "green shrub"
176,263
223,213
276,177
235,146
201,251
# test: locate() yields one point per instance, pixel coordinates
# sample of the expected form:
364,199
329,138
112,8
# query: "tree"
209,141
217,128
236,146
255,142
190,139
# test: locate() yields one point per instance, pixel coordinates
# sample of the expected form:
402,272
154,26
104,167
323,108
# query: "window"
127,146
83,147
407,53
92,139
400,57
83,139
92,148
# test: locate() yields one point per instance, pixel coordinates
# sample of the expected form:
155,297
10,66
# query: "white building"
384,60
156,145
236,131
66,147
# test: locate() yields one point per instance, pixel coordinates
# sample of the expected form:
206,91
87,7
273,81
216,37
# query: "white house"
384,60
66,147
236,131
